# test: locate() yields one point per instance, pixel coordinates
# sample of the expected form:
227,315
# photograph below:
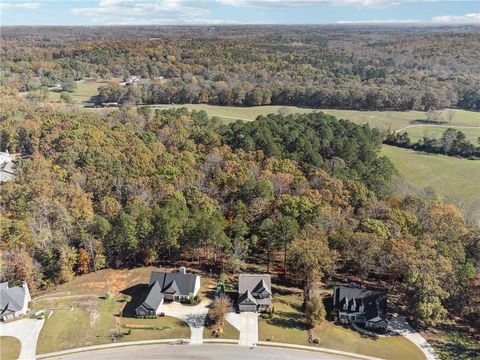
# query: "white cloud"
290,3
143,12
473,18
16,5
388,21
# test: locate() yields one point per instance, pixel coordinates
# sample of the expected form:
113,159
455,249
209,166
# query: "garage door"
248,307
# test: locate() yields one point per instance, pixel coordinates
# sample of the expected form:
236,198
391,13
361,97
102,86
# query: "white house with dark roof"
13,300
167,286
254,292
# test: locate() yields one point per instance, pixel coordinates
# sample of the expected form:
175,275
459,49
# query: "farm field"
288,325
418,132
452,178
84,91
383,120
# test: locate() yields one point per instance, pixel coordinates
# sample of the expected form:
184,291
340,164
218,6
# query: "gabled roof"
374,302
256,285
247,298
183,284
171,288
12,299
254,282
152,298
262,287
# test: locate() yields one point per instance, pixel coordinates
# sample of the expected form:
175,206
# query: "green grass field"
380,119
288,325
418,132
84,91
80,321
9,348
452,178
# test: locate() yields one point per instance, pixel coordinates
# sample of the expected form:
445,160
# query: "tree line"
453,142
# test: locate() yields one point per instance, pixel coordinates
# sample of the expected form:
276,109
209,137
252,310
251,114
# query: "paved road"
193,315
247,324
27,331
200,352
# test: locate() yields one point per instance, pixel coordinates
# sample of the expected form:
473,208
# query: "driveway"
27,331
193,315
400,325
247,324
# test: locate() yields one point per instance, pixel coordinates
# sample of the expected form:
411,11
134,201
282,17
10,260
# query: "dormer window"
353,306
345,305
361,308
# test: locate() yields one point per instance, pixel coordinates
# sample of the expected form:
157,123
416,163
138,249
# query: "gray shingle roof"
183,284
153,297
11,299
256,284
247,298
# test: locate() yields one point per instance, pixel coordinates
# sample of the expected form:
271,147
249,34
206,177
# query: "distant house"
131,80
254,292
166,286
7,166
110,104
13,300
364,307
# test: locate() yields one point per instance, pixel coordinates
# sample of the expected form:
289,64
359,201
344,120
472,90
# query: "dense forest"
137,186
324,67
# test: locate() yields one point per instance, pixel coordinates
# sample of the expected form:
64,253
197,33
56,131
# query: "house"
13,300
167,286
7,166
364,307
254,292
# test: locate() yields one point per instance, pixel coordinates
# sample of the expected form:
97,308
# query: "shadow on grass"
136,293
288,320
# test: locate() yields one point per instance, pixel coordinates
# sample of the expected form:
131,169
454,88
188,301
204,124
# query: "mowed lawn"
165,327
89,310
288,325
77,321
9,348
451,178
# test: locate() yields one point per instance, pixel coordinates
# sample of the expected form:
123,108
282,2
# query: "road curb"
211,341
110,346
317,349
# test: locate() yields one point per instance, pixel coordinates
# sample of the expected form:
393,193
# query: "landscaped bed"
9,348
288,325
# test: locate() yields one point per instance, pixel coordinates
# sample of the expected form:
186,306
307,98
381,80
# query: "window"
361,308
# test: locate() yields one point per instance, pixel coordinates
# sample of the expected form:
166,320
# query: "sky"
216,12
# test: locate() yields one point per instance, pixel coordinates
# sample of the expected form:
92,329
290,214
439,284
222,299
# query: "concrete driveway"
27,331
400,325
193,315
247,324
